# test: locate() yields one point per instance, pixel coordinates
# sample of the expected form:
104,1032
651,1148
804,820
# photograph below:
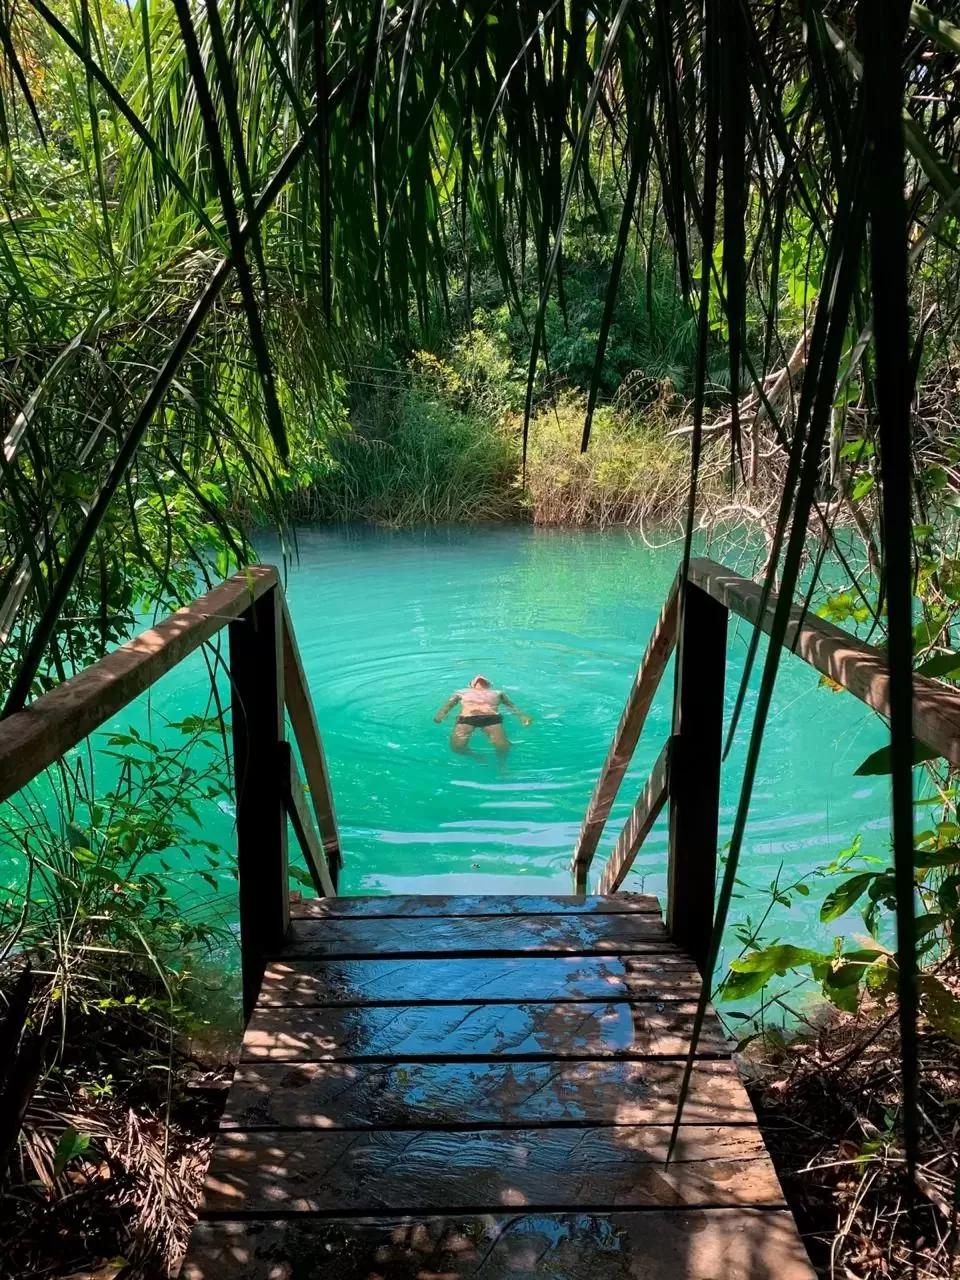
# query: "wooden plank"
613,1028
637,827
625,738
858,667
680,1244
432,936
302,822
320,1171
256,681
303,720
694,778
389,904
442,979
341,1095
34,738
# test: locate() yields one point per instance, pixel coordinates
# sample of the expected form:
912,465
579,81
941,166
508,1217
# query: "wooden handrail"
267,678
307,733
299,814
626,736
687,775
644,814
858,667
32,739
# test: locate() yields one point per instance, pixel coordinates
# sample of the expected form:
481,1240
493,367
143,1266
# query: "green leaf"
940,1005
857,449
845,998
843,898
862,487
938,29
847,974
776,959
925,859
943,665
750,973
879,761
71,1144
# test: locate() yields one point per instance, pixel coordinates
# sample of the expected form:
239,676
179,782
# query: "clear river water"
390,623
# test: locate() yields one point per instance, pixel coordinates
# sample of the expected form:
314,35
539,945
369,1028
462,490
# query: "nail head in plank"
314,1171
341,1095
614,1028
681,1244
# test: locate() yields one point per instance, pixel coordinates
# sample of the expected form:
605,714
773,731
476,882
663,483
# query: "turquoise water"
390,623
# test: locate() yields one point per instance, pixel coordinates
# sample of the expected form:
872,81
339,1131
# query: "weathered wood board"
362,1095
502,978
704,1244
499,935
597,1030
262,1172
372,907
486,1089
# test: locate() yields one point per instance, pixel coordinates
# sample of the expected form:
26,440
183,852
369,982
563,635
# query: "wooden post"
256,671
695,772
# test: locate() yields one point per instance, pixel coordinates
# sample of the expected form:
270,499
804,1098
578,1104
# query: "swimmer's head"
479,682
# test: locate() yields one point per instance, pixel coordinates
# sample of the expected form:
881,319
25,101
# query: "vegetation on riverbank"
131,1003
829,1103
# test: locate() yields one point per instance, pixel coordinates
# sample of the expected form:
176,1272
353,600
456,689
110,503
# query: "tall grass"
414,460
634,471
440,442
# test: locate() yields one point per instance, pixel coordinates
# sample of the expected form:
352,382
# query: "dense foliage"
738,222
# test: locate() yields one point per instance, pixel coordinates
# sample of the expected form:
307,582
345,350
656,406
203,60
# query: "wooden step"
260,1172
486,1089
477,905
393,1095
706,1244
578,934
603,1029
499,978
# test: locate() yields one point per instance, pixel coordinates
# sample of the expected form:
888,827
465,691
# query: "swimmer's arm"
524,720
447,708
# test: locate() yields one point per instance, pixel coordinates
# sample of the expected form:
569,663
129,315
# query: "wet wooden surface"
393,1095
706,1244
396,904
502,978
486,1094
497,935
599,1030
387,1170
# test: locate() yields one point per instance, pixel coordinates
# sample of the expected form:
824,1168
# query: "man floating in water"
479,709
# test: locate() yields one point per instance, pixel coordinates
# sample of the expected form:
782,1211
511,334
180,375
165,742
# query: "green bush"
412,457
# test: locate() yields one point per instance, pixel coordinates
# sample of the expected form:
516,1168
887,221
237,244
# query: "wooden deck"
484,1087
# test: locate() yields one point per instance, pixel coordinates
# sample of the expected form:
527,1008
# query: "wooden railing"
687,771
266,679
